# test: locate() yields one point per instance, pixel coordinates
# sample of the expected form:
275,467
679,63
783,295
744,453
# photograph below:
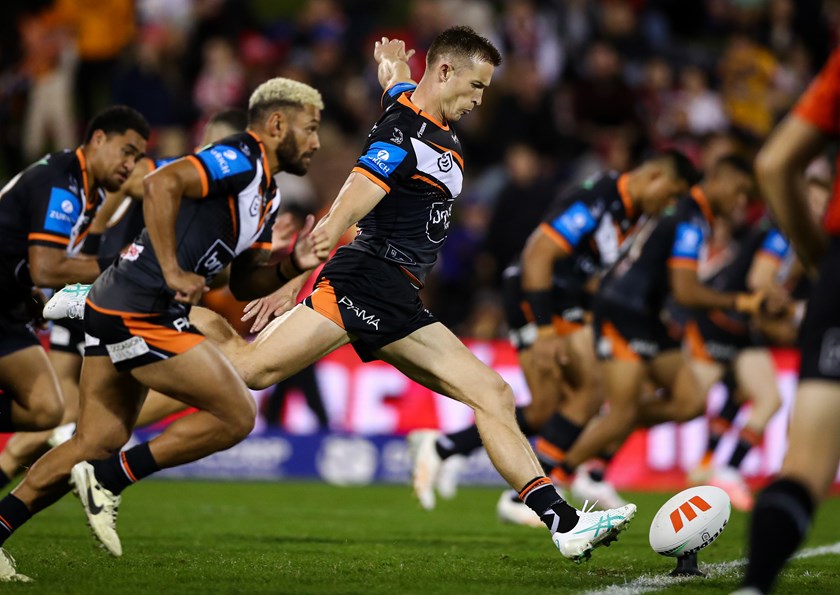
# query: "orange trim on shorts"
205,183
535,484
324,302
261,246
161,336
682,263
557,237
48,237
544,447
119,312
620,348
696,344
727,323
372,178
563,327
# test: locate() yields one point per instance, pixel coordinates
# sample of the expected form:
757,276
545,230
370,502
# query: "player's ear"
98,138
277,124
445,72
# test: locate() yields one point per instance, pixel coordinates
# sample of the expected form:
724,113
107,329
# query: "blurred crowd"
585,85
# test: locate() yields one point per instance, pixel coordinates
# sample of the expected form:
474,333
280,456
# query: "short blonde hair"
280,92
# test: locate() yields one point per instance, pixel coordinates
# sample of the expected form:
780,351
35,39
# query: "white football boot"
100,506
511,509
426,463
67,303
8,573
593,530
448,476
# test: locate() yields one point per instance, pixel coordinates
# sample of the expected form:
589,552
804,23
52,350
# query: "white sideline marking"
651,583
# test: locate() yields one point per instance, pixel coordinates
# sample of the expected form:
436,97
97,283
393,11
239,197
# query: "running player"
631,338
783,511
45,212
201,212
115,225
547,303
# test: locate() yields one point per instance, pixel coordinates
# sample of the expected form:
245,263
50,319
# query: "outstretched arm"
392,58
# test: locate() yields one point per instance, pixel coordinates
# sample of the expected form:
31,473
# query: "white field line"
651,583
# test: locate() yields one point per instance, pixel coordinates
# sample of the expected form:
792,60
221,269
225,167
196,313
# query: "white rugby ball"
690,521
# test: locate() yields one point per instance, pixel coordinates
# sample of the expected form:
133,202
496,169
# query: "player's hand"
307,254
188,287
321,242
750,303
283,233
392,50
777,302
265,309
548,350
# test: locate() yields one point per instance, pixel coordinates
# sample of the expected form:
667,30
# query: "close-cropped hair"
282,92
118,119
682,166
463,42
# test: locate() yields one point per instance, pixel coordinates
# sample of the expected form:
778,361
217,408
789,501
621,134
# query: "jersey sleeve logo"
62,212
687,241
223,161
574,223
776,244
383,157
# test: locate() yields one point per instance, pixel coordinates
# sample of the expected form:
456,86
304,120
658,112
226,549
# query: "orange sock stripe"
535,484
719,426
707,458
126,468
751,436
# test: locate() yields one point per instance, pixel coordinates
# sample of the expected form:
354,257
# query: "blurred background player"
547,301
784,509
116,224
45,214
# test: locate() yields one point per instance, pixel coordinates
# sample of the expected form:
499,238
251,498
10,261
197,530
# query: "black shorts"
819,337
716,337
629,335
15,334
571,310
132,340
68,335
374,301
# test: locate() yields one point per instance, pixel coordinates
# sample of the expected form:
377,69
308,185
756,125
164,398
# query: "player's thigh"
201,377
623,380
814,437
68,369
289,344
755,373
707,373
545,385
434,357
108,405
157,407
213,326
29,378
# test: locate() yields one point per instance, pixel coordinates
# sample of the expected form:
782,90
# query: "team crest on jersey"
397,136
445,161
246,150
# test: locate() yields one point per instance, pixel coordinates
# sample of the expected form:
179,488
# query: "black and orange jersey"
235,212
640,280
50,203
418,161
820,106
590,222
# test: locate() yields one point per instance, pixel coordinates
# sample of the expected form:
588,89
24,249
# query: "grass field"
197,537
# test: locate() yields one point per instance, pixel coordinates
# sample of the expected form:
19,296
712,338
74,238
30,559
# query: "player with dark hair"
784,509
45,213
547,298
633,341
202,212
116,224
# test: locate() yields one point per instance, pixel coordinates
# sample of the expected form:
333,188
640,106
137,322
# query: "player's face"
662,189
464,87
116,155
733,189
301,140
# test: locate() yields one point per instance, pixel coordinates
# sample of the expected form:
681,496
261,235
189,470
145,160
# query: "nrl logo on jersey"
445,161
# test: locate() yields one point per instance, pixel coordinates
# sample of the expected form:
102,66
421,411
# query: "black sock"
782,515
523,423
6,424
541,497
598,466
746,440
4,479
122,469
13,513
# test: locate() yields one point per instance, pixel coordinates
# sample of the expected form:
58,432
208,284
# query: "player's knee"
690,410
47,414
98,446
